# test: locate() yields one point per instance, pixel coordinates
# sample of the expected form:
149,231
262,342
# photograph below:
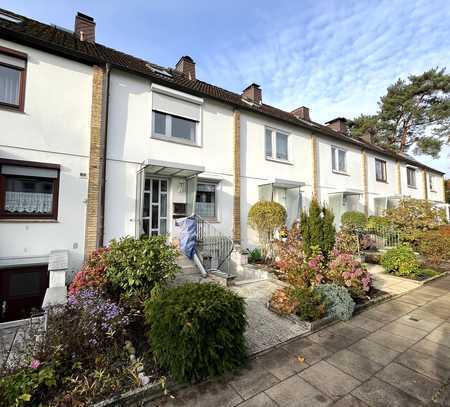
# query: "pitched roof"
65,43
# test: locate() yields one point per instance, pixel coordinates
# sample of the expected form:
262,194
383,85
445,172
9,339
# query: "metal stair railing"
213,247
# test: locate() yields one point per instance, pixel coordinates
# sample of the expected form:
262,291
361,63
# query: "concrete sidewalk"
394,354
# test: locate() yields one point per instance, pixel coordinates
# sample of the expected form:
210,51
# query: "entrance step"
251,274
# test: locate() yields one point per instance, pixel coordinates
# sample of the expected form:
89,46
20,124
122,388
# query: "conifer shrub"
317,229
338,301
197,330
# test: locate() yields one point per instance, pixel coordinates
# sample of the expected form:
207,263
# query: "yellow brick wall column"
237,177
315,170
398,177
365,182
96,160
425,185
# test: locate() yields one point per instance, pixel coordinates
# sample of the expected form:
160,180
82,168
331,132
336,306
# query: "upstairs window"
338,160
380,170
276,145
411,177
12,78
28,190
168,126
432,181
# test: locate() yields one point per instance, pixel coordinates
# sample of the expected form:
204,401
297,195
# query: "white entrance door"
154,207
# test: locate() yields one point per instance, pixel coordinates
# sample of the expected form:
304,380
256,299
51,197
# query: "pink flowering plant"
347,271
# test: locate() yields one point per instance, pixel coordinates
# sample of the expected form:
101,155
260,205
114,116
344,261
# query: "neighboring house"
105,144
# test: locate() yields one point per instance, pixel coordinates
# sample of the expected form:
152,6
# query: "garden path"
390,284
394,354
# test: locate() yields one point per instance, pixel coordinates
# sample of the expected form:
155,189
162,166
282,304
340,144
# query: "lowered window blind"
176,107
9,60
29,171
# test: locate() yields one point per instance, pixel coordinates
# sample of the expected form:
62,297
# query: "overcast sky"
336,57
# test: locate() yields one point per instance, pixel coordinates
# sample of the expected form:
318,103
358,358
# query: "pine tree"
329,232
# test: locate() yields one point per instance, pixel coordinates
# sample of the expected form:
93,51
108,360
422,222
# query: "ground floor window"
28,190
205,202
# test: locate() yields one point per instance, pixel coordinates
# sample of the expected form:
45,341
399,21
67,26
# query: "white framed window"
411,177
380,170
432,181
338,159
206,200
168,126
276,144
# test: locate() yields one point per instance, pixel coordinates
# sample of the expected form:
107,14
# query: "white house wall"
378,189
257,170
331,182
130,143
54,128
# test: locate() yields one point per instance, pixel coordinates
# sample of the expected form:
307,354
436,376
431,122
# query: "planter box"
307,326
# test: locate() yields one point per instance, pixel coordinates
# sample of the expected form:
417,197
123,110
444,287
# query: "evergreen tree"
413,113
329,231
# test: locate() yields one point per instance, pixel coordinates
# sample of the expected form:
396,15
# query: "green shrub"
265,217
434,246
317,229
139,265
309,303
255,256
338,300
354,220
20,388
413,216
400,260
375,222
197,330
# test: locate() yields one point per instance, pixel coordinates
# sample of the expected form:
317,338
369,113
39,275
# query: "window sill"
340,173
412,187
27,220
276,160
10,108
175,140
382,181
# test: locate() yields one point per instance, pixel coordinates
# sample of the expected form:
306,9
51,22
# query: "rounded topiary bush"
339,301
266,216
400,260
197,330
354,220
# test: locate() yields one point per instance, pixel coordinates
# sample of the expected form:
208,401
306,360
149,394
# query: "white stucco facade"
54,128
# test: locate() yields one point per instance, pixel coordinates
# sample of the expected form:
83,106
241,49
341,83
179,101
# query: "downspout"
103,184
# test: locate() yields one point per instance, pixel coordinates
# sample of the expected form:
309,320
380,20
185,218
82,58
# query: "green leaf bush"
434,246
309,303
266,216
136,266
197,330
354,220
401,261
339,302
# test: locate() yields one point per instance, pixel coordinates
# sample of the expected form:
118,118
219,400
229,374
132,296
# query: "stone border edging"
419,283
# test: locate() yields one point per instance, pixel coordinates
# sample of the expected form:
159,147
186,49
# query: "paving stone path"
394,354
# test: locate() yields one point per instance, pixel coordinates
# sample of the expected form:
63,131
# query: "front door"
154,207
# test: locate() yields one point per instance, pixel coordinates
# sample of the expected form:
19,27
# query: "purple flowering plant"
98,318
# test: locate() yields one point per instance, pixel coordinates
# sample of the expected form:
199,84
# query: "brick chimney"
253,93
339,124
302,113
367,137
85,27
186,65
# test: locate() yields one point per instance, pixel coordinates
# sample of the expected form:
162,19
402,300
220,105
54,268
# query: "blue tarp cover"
188,235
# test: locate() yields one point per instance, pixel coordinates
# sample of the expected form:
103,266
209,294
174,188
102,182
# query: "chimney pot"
186,65
253,93
302,113
85,27
339,124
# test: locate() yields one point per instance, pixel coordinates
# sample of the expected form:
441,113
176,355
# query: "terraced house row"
96,144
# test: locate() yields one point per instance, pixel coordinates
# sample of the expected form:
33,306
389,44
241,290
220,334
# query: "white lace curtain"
28,202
